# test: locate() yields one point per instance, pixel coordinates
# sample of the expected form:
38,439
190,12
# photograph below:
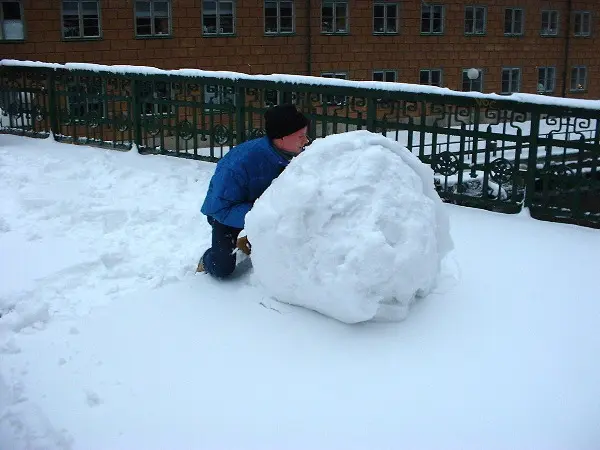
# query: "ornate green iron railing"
488,151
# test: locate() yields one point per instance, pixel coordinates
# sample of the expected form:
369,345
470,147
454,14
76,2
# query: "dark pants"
219,260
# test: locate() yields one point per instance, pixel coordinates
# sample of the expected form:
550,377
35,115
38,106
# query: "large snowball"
353,228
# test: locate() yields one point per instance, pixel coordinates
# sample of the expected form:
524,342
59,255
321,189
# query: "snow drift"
353,229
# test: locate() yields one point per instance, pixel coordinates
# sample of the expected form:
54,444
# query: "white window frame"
278,18
511,74
429,73
552,19
16,26
81,17
334,4
217,15
577,84
465,78
475,9
386,17
432,9
582,15
547,81
384,73
513,12
152,16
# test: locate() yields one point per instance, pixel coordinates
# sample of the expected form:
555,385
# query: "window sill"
82,39
548,35
578,91
385,33
426,33
513,35
582,36
475,34
12,41
157,36
218,35
283,34
335,33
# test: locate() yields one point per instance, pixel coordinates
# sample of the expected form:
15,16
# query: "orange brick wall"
358,53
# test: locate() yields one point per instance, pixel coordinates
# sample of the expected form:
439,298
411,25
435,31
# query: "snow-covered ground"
109,340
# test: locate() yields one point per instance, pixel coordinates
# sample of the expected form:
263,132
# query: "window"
334,17
475,85
11,21
385,18
432,77
432,19
475,20
279,17
511,80
384,75
335,99
81,19
513,21
152,18
578,78
218,17
549,23
582,23
546,79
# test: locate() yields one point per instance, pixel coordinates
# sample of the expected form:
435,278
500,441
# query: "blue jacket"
241,176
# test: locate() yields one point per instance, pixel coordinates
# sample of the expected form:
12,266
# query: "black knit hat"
283,120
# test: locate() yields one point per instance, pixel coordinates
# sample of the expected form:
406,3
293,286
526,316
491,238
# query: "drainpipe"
567,41
308,38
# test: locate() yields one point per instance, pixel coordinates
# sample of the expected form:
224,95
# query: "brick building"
549,46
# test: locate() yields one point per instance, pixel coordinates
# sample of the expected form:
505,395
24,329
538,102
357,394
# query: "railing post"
240,107
532,159
137,113
371,114
52,103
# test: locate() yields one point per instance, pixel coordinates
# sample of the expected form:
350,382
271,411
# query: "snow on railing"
311,81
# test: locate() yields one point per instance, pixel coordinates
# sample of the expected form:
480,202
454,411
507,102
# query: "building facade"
503,46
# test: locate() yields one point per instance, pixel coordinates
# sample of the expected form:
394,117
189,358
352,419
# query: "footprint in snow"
92,399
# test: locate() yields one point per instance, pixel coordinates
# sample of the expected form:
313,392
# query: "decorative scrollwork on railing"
501,171
410,107
177,90
40,113
122,122
517,117
152,124
14,79
492,116
219,95
192,90
463,114
221,134
92,119
254,94
256,133
36,80
358,106
445,163
439,113
185,130
570,125
560,170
